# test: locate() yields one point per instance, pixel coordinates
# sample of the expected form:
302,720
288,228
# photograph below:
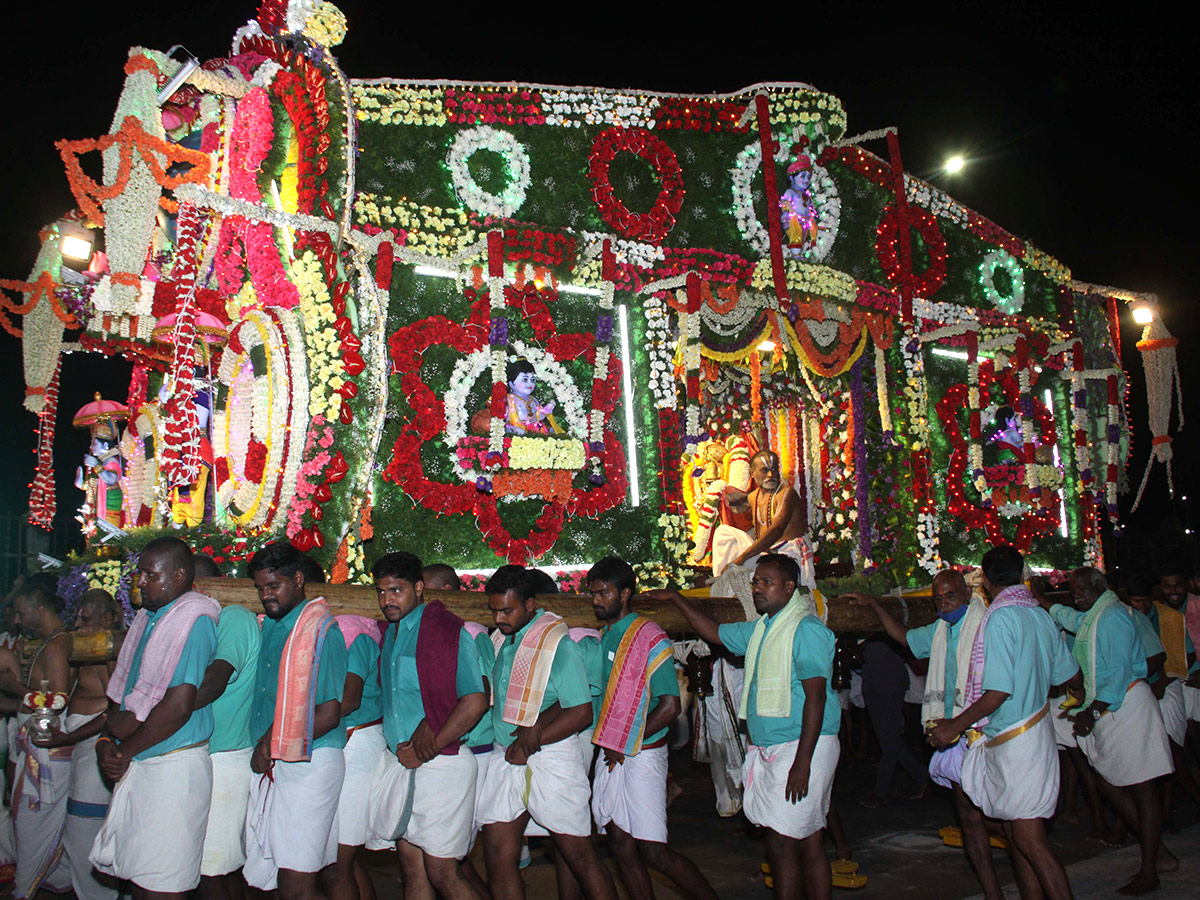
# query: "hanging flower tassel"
42,504
756,387
1162,374
862,498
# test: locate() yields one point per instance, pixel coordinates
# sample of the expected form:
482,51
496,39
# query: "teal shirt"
593,665
1120,658
567,685
920,644
1188,648
331,675
812,657
483,735
403,709
193,662
662,683
1024,656
238,642
364,662
1148,634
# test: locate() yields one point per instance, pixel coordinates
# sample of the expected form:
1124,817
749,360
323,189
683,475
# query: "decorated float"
521,323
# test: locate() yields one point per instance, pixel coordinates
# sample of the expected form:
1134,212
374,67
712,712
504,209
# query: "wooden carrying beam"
86,648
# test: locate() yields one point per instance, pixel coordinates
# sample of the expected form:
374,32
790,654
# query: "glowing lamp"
955,164
1143,312
77,245
766,346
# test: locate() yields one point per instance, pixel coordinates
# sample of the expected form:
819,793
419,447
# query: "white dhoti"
765,797
1191,703
718,740
483,765
291,821
588,751
633,796
1064,727
729,543
552,787
154,832
431,807
39,809
225,838
1174,712
87,806
1130,746
1014,775
363,752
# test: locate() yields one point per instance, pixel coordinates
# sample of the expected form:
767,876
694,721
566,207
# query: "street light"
955,164
1143,312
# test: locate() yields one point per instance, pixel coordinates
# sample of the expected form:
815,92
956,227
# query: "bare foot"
1141,884
673,790
1167,861
1115,838
922,792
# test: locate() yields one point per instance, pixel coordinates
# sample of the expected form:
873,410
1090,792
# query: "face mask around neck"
954,615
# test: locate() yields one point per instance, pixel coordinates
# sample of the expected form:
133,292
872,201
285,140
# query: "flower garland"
516,162
887,250
141,482
824,191
862,497
1010,303
321,340
650,226
917,397
42,501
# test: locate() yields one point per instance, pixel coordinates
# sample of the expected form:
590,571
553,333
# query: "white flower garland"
938,202
660,346
916,392
483,137
824,191
141,468
999,259
529,452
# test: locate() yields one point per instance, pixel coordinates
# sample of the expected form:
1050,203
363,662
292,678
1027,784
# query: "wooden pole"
91,648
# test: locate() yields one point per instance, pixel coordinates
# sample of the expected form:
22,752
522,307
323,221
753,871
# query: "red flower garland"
887,239
650,226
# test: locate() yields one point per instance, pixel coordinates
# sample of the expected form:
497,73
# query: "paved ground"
897,847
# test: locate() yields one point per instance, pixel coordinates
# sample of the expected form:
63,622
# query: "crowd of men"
220,751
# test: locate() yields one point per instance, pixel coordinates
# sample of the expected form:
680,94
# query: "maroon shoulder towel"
437,666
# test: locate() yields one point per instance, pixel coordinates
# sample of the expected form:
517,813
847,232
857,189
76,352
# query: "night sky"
1080,130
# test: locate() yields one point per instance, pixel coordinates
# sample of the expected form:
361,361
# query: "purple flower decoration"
483,484
604,326
498,333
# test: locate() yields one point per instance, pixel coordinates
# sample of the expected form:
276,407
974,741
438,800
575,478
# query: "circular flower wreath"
887,250
999,259
824,191
650,226
1036,522
260,429
408,344
483,137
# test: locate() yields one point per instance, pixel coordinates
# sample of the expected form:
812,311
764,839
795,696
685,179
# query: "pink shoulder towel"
162,652
437,666
354,627
1191,616
531,670
295,700
622,721
474,629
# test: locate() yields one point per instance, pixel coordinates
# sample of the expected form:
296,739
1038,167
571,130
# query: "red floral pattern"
650,226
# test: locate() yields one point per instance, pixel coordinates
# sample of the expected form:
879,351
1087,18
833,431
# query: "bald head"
174,554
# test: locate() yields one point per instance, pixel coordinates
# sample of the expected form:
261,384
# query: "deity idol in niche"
1009,442
100,475
797,210
523,415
